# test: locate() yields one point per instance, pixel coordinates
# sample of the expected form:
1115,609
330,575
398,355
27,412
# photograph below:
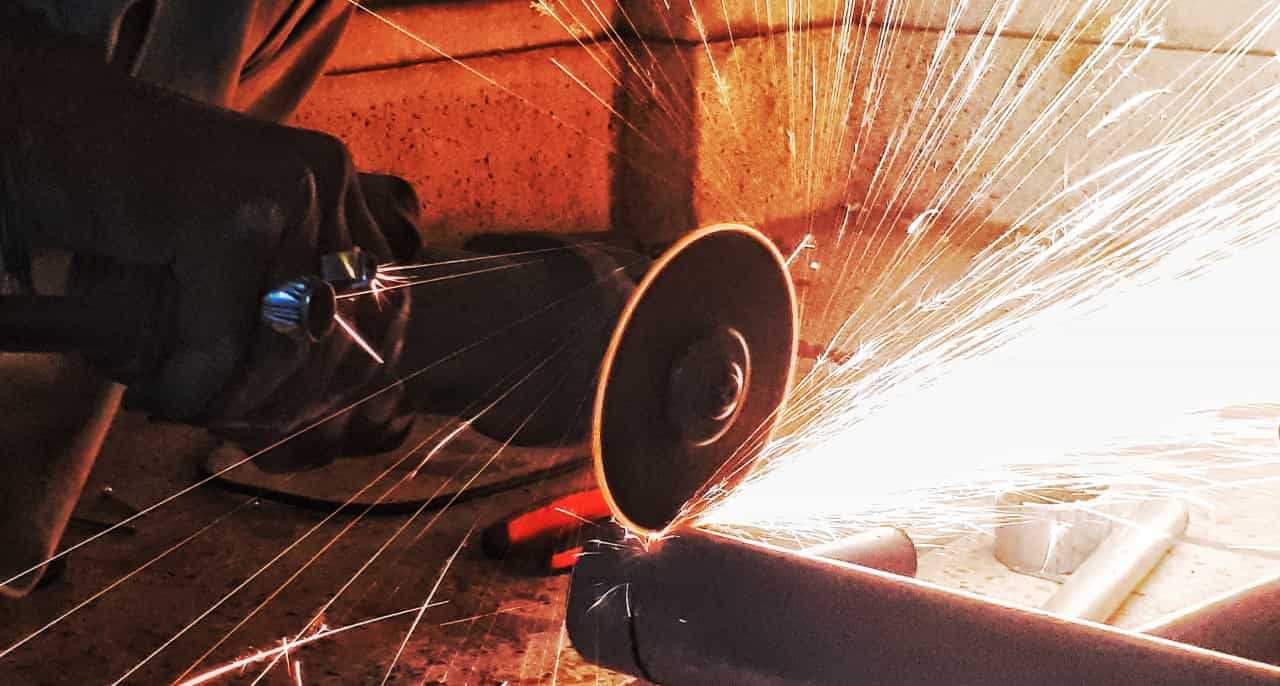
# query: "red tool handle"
544,531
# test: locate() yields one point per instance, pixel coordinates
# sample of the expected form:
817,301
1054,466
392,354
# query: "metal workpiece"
1135,546
703,608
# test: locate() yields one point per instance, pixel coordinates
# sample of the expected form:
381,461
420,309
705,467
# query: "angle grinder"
689,390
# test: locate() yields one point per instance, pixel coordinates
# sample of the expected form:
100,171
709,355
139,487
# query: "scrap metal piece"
886,548
693,378
1049,532
110,493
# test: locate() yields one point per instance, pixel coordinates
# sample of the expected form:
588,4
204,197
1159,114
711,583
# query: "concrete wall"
1185,24
505,142
570,115
396,34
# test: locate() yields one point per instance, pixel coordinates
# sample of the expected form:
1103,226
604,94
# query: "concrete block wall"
500,115
758,92
1056,98
1185,24
651,118
491,143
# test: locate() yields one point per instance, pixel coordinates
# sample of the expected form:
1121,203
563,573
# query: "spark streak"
272,653
426,604
357,338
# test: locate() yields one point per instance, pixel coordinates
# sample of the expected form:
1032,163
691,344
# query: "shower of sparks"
286,645
1118,333
1119,113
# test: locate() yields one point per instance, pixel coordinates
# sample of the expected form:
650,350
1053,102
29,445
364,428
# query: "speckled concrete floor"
496,626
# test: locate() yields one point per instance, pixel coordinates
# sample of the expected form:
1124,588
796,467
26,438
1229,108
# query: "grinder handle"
133,320
115,325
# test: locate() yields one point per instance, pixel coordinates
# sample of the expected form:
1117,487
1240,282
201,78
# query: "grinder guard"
695,374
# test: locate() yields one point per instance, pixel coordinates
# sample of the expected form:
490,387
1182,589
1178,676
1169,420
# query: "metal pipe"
1244,622
885,548
699,607
1101,585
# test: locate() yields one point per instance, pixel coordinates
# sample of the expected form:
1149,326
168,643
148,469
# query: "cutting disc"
695,375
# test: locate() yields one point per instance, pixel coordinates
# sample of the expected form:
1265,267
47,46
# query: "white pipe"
1101,585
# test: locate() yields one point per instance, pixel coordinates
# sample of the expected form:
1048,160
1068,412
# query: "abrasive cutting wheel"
695,376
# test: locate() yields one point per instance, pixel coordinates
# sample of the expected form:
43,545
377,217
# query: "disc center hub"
708,381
